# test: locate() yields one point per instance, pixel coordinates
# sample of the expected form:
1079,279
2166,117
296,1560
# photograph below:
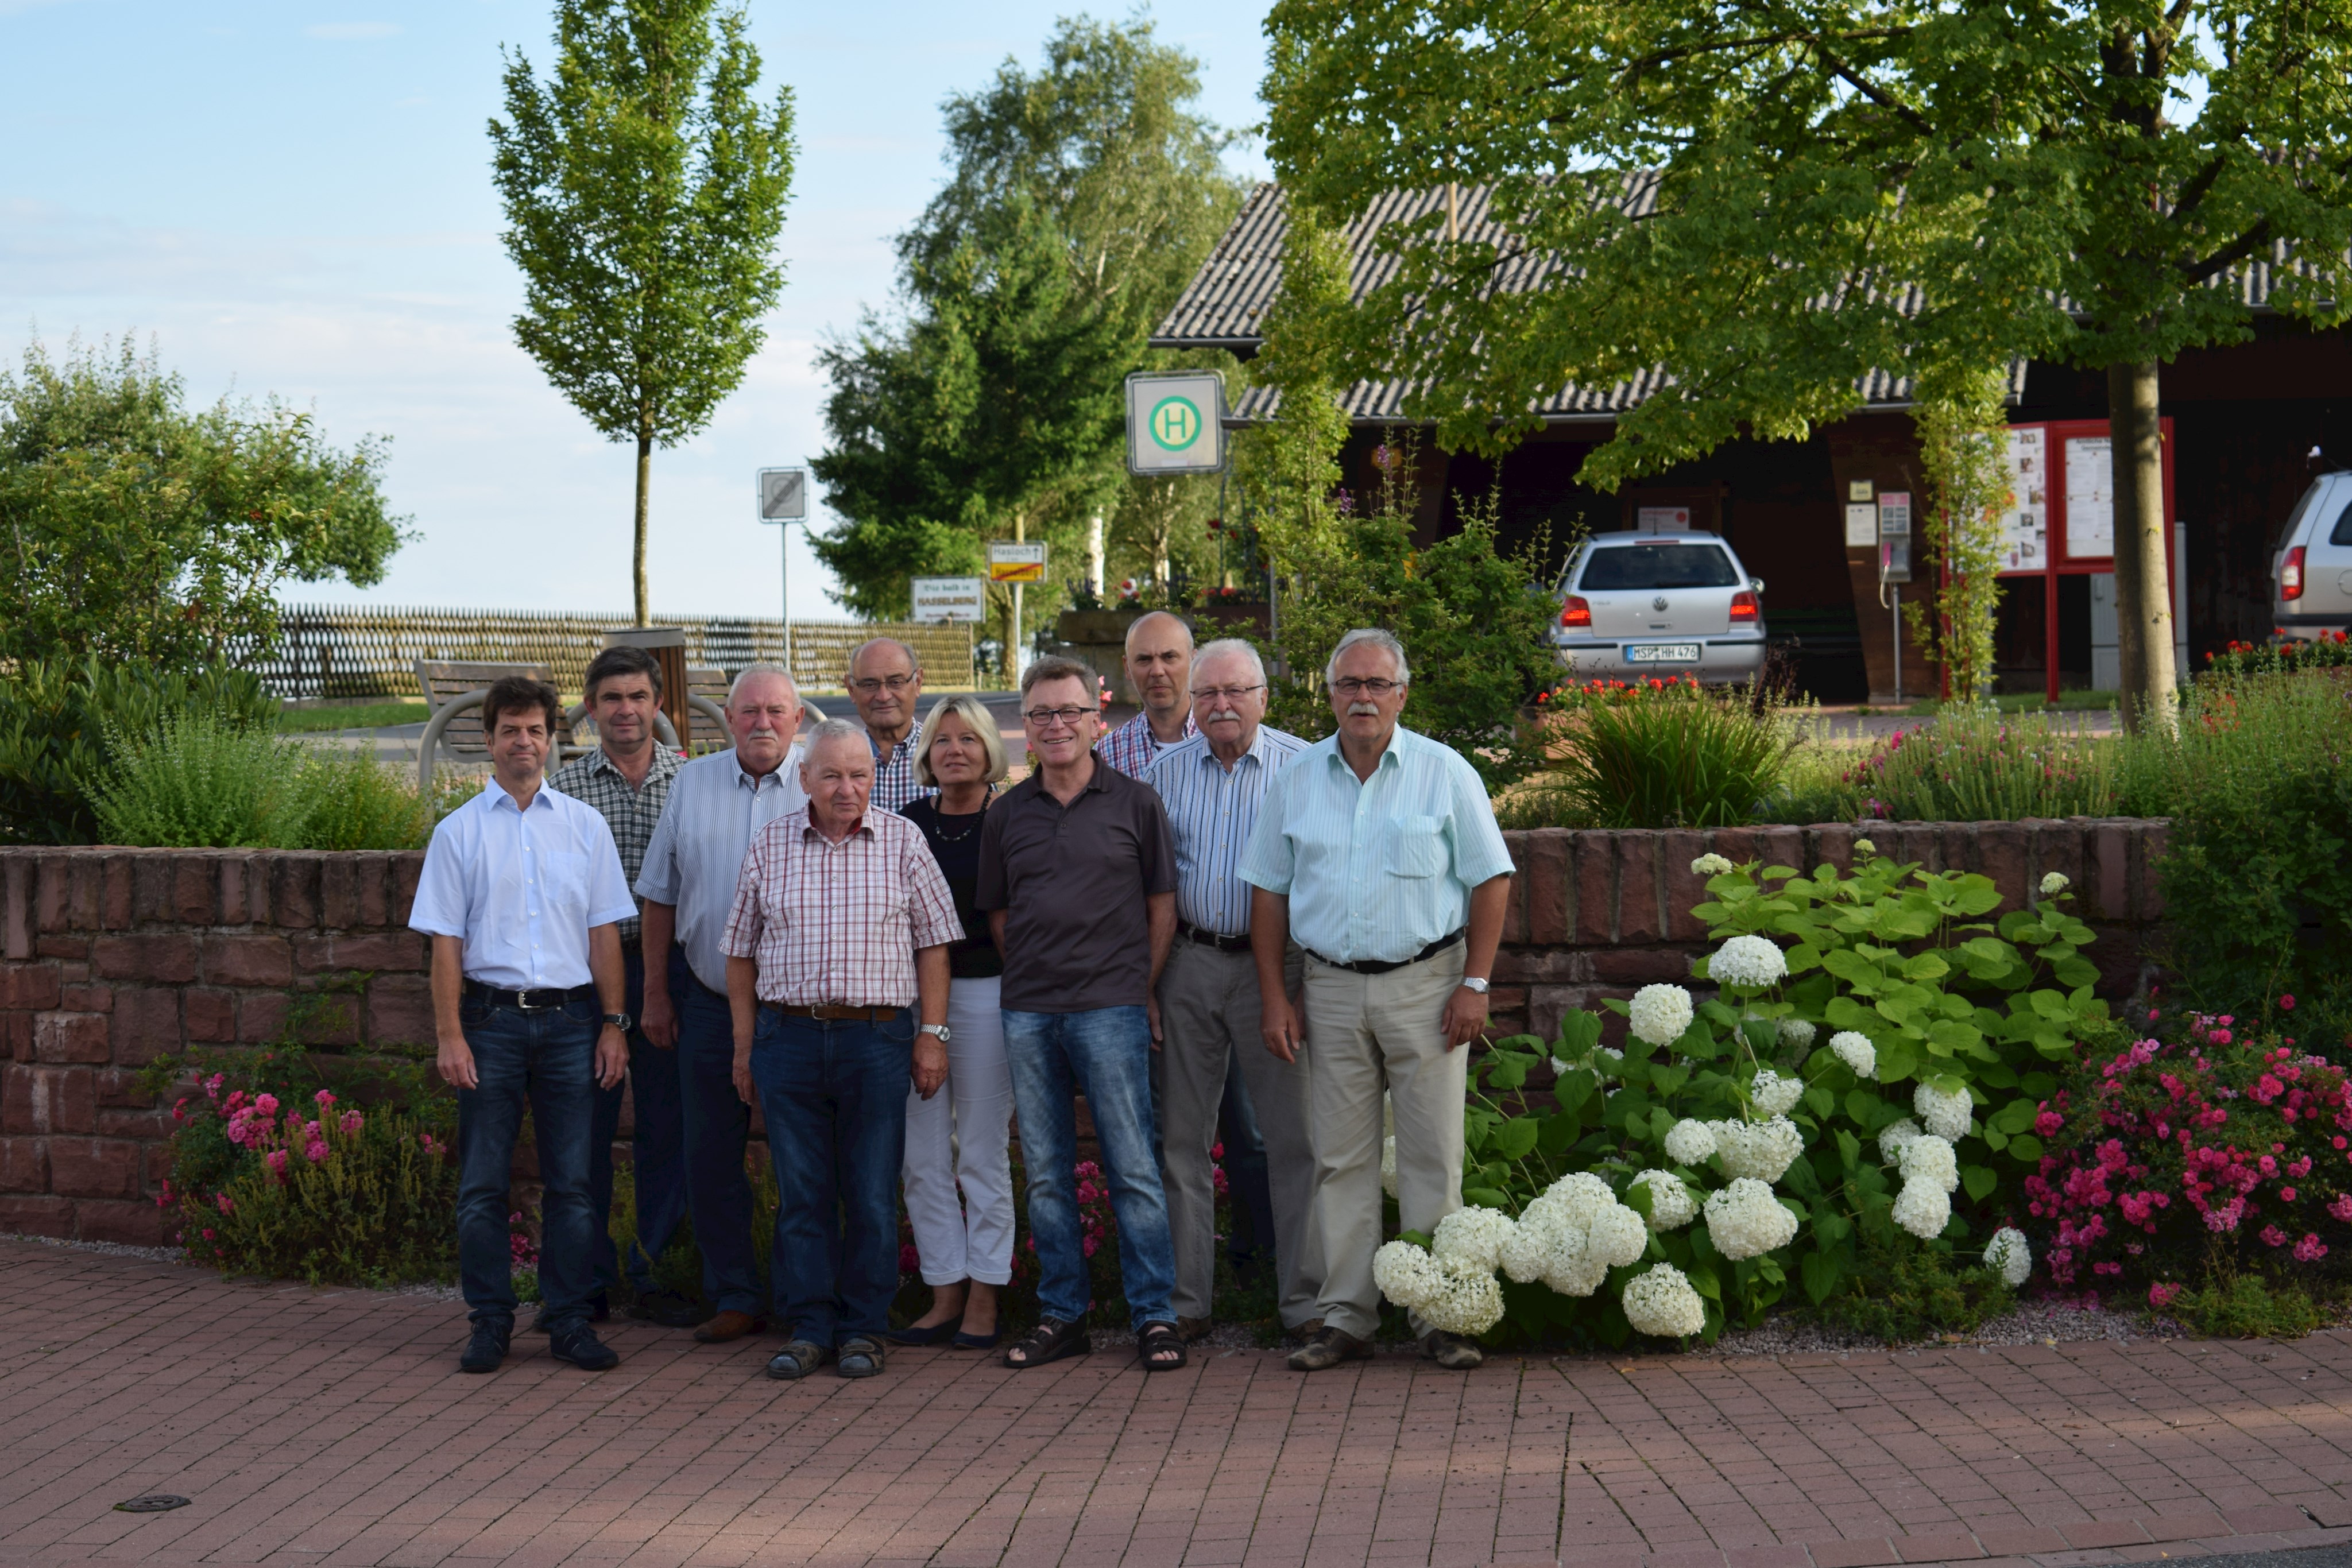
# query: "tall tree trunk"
2144,629
645,487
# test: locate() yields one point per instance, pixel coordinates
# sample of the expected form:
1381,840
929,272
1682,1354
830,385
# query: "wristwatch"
620,1021
939,1029
1474,983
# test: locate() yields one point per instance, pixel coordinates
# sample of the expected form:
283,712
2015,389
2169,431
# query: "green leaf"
1485,1197
1820,1100
1862,1106
1849,1148
1980,1181
1515,1139
1579,1031
1896,1061
1508,1070
1420,1239
1821,1271
2025,1148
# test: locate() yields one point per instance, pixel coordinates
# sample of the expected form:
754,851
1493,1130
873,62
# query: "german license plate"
1662,653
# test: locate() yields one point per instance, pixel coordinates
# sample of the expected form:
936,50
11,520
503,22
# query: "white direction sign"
783,494
954,599
1175,423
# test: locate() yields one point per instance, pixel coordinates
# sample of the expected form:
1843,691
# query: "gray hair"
762,668
914,664
977,718
833,729
1222,646
1137,623
1379,639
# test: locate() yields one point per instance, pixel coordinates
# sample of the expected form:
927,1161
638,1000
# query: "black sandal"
1154,1341
1051,1340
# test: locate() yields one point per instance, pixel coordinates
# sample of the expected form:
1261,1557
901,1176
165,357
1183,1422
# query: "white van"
2311,575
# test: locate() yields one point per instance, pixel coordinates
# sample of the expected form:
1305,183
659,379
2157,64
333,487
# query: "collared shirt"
697,849
1131,747
894,776
839,923
521,888
1073,880
1212,810
1375,871
630,811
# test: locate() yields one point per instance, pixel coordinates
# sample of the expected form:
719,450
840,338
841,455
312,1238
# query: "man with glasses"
1158,665
716,804
1212,786
1378,852
885,681
1078,878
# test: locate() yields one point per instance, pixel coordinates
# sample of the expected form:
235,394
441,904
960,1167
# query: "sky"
294,199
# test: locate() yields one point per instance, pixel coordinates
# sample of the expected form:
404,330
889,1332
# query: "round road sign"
1175,422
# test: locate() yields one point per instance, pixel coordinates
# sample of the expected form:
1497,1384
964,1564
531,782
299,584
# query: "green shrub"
355,802
1967,766
197,782
1904,1293
2328,651
1664,755
2242,1307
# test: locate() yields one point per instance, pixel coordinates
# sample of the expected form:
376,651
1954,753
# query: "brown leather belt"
832,1014
1193,934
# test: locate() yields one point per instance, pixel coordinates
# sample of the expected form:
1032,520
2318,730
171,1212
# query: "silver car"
1636,605
2311,575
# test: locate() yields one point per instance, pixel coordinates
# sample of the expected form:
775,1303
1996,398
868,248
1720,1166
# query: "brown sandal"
1051,1340
1155,1341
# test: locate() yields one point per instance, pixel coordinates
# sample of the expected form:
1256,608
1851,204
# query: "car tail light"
1743,606
2291,575
1576,611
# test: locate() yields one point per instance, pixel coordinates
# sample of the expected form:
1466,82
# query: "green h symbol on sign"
1175,422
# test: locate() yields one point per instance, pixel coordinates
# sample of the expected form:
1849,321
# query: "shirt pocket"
562,881
1416,846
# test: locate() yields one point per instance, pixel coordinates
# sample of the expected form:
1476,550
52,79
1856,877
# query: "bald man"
885,681
1158,665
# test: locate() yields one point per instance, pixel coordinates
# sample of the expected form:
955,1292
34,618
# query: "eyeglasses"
1351,687
867,686
1225,693
1046,717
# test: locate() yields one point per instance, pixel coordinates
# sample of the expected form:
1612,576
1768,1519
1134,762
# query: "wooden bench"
444,681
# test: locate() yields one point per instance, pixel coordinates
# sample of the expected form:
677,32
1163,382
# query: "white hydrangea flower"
1709,864
1618,1236
1923,1207
1930,1158
1527,1252
1388,1165
1760,1150
1865,847
1750,963
1946,1116
1660,1300
1892,1138
1745,1220
1604,1062
1689,1141
1659,1014
1406,1274
1463,1299
1580,1196
1775,1095
1472,1236
1576,1274
2054,884
1796,1031
1854,1049
2008,1252
1670,1202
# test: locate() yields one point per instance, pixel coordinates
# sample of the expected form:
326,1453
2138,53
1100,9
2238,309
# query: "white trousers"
958,1137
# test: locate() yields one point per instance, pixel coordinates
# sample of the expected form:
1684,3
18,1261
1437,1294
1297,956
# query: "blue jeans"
544,1058
718,1128
657,1148
833,1094
1106,1054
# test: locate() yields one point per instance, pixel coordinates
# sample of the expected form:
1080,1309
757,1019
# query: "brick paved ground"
333,1427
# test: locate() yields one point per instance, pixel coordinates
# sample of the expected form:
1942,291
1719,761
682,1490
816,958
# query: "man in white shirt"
716,804
523,896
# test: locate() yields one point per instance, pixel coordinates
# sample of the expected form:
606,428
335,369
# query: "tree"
1757,205
139,532
644,187
1964,447
1083,198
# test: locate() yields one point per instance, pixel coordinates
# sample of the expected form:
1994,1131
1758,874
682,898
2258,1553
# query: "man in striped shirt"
1212,786
1377,851
1158,661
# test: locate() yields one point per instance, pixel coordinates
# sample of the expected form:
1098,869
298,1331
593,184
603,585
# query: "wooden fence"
327,650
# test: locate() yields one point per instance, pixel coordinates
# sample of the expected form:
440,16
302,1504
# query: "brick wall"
109,958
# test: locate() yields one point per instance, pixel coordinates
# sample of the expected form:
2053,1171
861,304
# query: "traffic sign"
783,494
954,599
1009,560
1175,422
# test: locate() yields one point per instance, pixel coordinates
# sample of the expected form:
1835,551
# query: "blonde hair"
975,716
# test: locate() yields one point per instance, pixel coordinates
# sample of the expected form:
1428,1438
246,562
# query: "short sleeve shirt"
521,889
1072,881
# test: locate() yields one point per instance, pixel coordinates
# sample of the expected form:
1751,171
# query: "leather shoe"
1193,1331
580,1347
598,1312
670,1309
1328,1348
1452,1351
1304,1332
727,1325
485,1349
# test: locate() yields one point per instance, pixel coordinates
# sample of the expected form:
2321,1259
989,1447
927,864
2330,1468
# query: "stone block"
1832,844
16,925
240,891
148,1129
162,958
208,1016
339,891
62,1037
1639,918
2004,852
1909,844
1639,966
84,996
34,986
406,869
261,1016
294,891
37,1100
376,892
400,1010
2058,846
1544,879
248,961
24,1164
192,898
96,1167
1592,872
118,1088
115,872
1542,965
146,1024
36,1214
134,1224
1684,888
1781,846
17,1036
2149,844
72,949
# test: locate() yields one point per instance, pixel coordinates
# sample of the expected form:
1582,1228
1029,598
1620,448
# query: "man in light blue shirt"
1377,852
1211,785
716,804
522,894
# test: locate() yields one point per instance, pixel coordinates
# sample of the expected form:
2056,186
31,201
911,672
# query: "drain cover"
155,1502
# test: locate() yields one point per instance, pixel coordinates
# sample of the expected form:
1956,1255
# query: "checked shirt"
838,923
593,780
1133,747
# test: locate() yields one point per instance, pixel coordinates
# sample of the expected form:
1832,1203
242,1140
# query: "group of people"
1191,919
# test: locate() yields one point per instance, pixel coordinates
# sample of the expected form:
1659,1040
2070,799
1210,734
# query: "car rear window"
1657,566
2343,534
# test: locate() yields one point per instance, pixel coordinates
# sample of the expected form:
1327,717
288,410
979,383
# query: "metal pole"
784,533
1898,643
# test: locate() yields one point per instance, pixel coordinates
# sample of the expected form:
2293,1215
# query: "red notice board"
2061,518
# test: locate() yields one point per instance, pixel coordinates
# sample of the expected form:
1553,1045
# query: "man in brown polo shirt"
1078,877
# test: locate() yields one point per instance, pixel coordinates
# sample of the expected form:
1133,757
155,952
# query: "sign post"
1175,423
784,500
1016,561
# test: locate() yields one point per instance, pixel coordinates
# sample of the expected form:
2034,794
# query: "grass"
2019,702
371,716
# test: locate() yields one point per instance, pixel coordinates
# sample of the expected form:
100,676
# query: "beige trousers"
1372,1032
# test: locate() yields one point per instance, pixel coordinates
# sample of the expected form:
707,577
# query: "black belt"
833,1013
1191,933
545,999
1381,966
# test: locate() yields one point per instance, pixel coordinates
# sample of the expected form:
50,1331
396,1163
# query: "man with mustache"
1213,786
1377,851
1158,660
716,804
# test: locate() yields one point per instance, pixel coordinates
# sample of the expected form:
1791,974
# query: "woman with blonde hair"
958,1137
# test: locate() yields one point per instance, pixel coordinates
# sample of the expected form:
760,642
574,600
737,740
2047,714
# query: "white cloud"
352,32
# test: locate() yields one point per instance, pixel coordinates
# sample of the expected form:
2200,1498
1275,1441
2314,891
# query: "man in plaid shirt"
885,682
1160,667
837,938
